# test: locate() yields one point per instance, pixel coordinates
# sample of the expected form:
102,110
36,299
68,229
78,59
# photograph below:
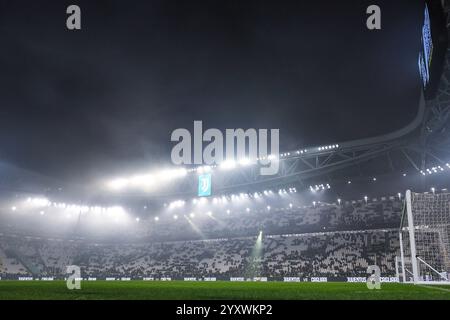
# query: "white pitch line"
437,288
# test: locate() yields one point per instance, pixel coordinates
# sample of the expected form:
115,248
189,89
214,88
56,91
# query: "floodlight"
141,180
228,164
204,169
244,162
176,204
172,173
42,202
118,184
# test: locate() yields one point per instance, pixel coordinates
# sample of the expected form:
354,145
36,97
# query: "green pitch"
140,290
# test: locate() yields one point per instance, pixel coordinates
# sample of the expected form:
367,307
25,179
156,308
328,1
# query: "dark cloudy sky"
106,98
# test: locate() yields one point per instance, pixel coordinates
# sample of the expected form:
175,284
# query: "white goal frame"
413,236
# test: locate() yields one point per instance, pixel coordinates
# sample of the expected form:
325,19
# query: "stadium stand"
325,240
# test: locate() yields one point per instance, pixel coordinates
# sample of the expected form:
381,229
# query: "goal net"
425,238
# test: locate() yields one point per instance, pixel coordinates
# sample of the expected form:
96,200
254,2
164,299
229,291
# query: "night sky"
104,100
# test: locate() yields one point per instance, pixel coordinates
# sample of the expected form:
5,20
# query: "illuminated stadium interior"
333,209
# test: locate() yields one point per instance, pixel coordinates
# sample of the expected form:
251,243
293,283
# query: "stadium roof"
78,105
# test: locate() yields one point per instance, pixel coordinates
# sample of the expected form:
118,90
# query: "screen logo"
204,185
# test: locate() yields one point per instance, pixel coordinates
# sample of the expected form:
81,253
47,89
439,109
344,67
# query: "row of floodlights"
146,180
178,203
319,187
228,212
288,154
268,208
231,164
44,202
151,179
330,147
434,170
232,197
155,178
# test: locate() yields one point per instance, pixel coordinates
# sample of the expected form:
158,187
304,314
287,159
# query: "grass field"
181,290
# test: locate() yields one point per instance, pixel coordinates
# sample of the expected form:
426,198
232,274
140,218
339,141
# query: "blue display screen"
204,185
427,43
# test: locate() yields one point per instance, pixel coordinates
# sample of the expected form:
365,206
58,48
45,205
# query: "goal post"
424,236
